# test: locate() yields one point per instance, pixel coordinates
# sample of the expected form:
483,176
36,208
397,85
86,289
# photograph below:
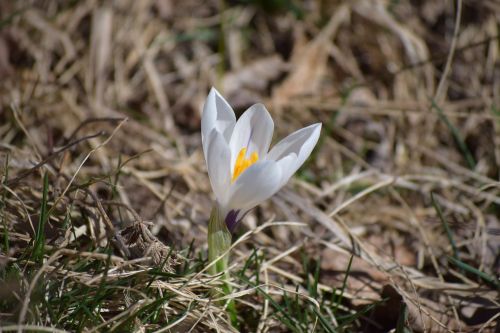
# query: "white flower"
242,170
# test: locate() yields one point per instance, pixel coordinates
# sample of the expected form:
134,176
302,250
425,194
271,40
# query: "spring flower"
243,171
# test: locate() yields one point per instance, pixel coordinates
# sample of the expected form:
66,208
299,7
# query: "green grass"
474,271
457,136
73,304
39,245
446,227
401,326
296,312
3,202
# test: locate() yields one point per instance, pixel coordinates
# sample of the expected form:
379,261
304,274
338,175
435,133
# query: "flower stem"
219,242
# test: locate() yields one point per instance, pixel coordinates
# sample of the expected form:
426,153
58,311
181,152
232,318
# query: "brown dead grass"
106,98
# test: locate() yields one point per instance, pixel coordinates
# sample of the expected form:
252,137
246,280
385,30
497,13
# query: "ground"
393,223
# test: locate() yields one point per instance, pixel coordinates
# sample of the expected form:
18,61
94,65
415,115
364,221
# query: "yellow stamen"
243,163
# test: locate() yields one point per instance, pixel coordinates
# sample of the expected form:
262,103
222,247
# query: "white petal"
254,131
218,162
298,144
287,165
256,184
218,114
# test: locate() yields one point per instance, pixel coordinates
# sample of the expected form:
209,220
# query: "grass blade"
446,227
456,136
39,246
344,284
3,203
475,271
402,319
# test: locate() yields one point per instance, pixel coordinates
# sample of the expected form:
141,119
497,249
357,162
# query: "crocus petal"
218,114
256,184
218,163
253,131
231,219
287,164
298,144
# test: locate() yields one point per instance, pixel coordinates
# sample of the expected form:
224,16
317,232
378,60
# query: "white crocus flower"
243,171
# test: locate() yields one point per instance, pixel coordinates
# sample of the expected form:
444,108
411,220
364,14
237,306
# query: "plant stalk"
219,242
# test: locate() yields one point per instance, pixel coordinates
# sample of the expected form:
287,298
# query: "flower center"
242,163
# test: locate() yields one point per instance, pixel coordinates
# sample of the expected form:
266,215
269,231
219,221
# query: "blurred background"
107,96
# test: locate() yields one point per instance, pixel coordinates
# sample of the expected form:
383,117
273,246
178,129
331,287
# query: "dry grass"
101,101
